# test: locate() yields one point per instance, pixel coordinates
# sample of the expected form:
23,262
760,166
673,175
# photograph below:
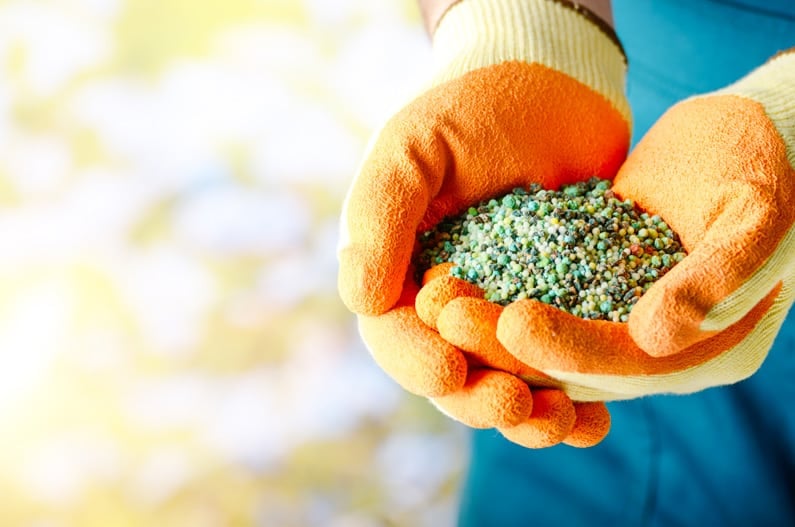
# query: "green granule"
580,249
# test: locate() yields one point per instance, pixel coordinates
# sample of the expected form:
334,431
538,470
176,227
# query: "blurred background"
172,348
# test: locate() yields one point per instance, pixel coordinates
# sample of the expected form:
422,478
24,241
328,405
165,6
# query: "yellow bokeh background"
172,348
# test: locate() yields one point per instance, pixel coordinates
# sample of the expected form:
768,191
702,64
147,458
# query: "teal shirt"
724,456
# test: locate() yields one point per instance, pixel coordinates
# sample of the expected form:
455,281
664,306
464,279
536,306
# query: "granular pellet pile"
580,249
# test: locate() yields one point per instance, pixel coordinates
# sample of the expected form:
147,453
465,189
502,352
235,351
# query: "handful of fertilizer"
580,249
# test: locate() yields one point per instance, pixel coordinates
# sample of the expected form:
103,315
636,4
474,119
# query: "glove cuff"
773,86
556,33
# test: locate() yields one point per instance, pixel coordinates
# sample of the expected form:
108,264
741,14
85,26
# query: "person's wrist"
433,10
558,34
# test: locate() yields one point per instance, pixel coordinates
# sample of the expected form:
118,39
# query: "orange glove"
718,169
525,91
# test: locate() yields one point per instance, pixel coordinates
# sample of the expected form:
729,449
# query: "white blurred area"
172,349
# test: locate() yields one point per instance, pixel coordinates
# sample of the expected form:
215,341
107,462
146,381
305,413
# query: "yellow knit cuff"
773,86
479,33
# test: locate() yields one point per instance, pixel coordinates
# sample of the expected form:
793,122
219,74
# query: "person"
533,91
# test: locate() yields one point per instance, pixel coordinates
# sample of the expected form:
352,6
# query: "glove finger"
437,271
381,214
591,425
716,169
470,324
599,354
488,399
437,292
551,422
694,300
414,355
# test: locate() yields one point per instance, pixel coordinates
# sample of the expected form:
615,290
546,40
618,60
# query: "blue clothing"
724,456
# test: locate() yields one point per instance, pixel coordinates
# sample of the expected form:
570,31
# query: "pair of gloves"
532,91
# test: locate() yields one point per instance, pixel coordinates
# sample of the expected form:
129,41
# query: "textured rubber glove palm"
525,91
719,170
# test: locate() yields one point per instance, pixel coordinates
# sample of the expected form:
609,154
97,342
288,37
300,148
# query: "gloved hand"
718,169
525,91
